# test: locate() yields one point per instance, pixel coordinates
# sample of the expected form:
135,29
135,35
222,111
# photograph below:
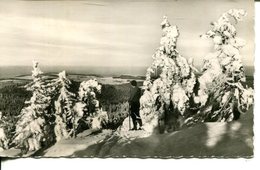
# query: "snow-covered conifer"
31,127
64,108
221,91
169,82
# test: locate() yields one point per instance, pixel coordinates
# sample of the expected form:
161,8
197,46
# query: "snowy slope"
210,139
234,139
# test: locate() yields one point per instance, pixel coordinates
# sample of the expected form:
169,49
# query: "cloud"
112,33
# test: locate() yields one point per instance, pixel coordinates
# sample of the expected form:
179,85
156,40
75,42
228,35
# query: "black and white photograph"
127,79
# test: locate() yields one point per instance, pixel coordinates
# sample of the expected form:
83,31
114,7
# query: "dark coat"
135,95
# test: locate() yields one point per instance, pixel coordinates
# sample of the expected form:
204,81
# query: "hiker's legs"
133,115
134,120
138,119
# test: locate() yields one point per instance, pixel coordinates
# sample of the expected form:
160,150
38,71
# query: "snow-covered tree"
3,137
88,108
87,94
60,129
221,92
169,83
32,126
64,108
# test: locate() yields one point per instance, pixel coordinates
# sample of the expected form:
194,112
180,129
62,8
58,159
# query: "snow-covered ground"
220,139
233,139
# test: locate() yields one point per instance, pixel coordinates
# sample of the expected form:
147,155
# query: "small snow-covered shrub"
99,120
88,113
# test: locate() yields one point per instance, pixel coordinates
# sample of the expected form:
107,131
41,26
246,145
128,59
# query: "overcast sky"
110,33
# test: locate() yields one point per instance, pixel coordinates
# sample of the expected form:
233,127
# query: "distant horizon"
14,71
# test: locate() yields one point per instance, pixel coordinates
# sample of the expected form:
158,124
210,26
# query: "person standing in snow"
134,104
